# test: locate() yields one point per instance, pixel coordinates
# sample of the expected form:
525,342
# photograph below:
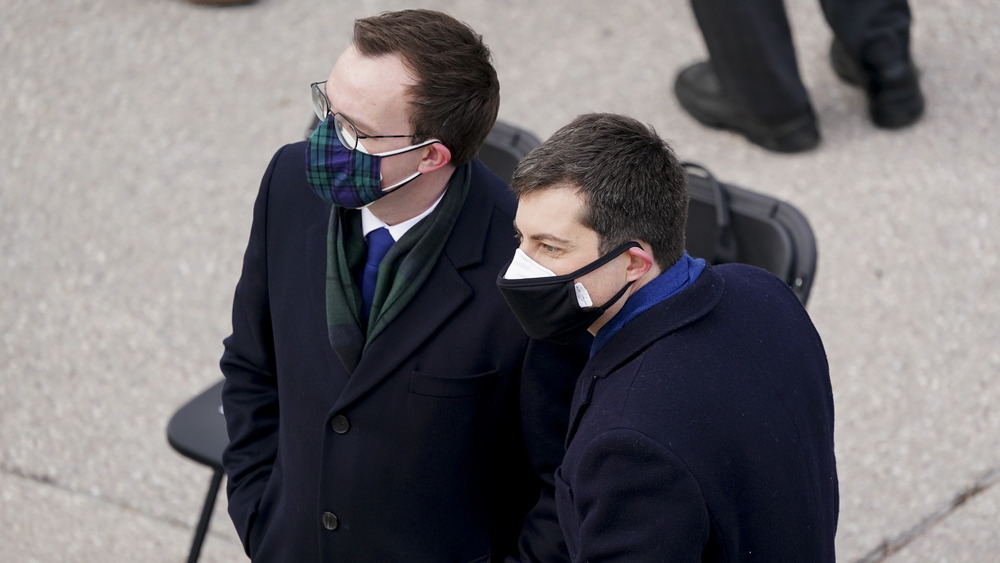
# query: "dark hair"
457,94
629,177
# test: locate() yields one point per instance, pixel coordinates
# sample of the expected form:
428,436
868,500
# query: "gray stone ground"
134,134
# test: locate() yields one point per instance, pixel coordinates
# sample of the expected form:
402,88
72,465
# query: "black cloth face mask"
547,307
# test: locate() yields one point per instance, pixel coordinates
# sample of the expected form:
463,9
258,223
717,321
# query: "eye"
550,249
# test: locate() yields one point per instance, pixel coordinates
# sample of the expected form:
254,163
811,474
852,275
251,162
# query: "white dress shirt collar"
369,222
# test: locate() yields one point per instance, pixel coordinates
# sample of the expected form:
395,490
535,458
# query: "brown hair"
457,95
629,177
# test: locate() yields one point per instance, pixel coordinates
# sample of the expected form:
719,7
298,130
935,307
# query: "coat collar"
473,223
636,336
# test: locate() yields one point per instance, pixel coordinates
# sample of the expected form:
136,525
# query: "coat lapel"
662,319
443,293
417,322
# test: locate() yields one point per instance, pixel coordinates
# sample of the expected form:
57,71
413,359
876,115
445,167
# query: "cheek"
560,264
396,167
544,260
595,283
603,283
536,253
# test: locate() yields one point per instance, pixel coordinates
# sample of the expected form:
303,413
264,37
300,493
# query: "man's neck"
656,287
412,199
650,275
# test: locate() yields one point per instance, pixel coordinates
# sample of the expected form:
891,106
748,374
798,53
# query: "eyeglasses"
346,131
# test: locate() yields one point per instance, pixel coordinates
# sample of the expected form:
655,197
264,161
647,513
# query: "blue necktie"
379,242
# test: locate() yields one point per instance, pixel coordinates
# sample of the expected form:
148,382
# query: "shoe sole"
747,129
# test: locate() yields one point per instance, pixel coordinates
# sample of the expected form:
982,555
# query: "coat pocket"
450,387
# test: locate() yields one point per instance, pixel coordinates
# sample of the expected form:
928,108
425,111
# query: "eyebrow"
545,237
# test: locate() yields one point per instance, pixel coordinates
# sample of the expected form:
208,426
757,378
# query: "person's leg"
871,49
751,83
750,48
861,23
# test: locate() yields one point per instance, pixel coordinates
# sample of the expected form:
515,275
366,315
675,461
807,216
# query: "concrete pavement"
133,139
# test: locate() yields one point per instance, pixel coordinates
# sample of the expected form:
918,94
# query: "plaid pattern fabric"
343,177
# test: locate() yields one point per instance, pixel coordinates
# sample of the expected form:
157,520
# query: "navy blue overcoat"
703,431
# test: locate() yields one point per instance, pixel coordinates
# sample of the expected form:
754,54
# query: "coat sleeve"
250,394
634,500
547,383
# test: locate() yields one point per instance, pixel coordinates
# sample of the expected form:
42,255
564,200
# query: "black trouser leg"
879,27
750,46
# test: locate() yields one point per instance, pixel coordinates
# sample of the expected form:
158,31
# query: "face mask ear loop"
602,260
615,299
407,149
400,184
413,177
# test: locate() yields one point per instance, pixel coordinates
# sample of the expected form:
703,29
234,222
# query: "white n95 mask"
523,267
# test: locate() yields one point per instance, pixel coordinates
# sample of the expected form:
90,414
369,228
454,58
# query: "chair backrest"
198,430
505,146
728,223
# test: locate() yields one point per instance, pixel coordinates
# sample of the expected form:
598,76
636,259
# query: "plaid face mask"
345,177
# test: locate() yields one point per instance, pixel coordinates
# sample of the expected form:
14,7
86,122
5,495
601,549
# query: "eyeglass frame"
324,109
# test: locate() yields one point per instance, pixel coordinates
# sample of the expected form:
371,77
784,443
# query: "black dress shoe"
894,97
698,90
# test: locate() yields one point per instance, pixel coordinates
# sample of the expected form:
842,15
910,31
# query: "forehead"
371,92
555,210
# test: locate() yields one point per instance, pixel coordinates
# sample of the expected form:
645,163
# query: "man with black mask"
702,426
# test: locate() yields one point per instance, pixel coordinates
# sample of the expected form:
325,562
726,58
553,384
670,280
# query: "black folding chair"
505,146
727,223
198,431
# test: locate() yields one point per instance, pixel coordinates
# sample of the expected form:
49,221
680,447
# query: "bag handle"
725,247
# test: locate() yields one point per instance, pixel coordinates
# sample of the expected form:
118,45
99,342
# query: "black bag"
727,223
504,147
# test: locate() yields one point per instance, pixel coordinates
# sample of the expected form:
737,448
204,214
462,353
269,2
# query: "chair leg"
206,516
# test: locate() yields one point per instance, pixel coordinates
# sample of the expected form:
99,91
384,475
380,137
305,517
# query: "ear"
640,262
434,156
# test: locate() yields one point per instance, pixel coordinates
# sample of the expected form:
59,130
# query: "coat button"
340,424
330,521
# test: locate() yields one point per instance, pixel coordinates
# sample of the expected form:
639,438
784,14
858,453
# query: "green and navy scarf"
400,275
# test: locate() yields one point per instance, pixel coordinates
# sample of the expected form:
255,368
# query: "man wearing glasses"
382,402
